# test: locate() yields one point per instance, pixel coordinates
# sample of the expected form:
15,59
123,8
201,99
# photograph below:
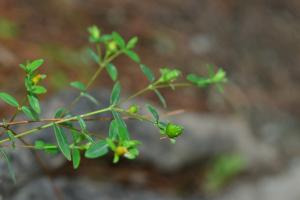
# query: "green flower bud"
133,109
220,76
112,46
169,75
94,33
173,130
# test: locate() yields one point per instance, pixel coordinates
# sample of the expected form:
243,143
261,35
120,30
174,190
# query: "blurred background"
242,144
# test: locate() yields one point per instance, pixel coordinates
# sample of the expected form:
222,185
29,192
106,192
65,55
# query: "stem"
101,66
184,84
50,120
137,94
13,117
134,115
58,122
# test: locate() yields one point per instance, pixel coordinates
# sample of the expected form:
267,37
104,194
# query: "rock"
24,161
205,136
82,189
278,187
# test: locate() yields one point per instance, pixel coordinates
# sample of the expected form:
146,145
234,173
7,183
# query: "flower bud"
112,46
173,130
169,75
133,109
120,150
36,79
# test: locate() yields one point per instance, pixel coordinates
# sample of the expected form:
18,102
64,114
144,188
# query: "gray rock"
24,161
204,136
82,189
278,187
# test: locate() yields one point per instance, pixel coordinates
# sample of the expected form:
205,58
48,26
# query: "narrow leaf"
34,103
148,72
10,168
29,113
90,97
97,150
112,71
76,158
34,65
12,138
93,55
161,98
118,39
122,128
133,56
78,85
62,141
154,112
38,90
115,94
82,123
60,113
132,42
113,129
9,99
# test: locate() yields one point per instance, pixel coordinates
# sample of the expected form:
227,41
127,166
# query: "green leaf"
112,71
23,66
115,94
116,158
105,38
161,98
39,144
97,150
113,129
29,113
132,42
9,99
154,112
133,56
62,141
76,158
78,85
220,76
93,55
90,97
10,168
34,103
38,90
198,80
118,39
148,72
122,128
132,153
48,148
60,113
12,138
34,65
82,123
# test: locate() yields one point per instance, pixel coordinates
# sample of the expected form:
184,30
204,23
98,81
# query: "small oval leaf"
9,99
97,150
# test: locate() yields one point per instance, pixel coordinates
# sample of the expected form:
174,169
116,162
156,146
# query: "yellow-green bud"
36,79
120,150
112,46
133,109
